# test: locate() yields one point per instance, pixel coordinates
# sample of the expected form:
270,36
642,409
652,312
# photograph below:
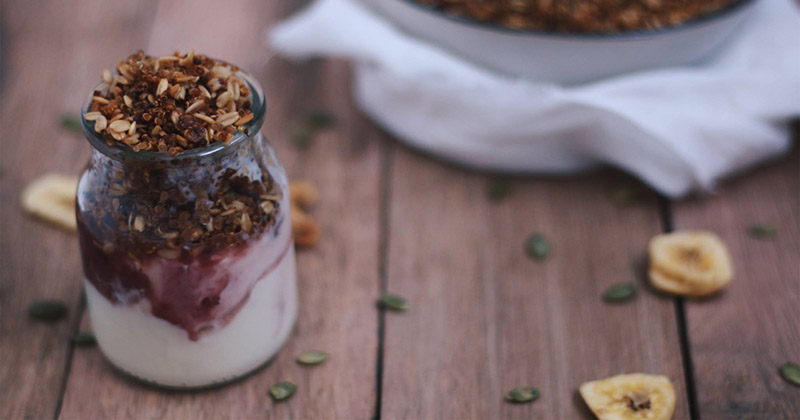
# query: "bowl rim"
730,9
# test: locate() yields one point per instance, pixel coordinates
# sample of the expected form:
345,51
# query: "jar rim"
121,151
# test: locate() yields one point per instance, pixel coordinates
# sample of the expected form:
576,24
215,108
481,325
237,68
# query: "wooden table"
483,319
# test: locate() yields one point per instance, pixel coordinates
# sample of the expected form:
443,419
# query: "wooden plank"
484,318
49,63
338,279
739,338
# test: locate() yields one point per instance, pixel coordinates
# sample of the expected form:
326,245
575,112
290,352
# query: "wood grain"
740,338
484,318
50,63
338,279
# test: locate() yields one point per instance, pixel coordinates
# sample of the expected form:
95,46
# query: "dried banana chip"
669,285
691,263
631,396
52,198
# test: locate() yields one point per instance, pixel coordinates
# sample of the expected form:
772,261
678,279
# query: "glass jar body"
188,260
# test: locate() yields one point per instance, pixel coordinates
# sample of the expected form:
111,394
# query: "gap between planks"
383,255
76,325
667,226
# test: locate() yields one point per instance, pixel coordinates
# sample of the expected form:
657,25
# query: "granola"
171,103
175,206
580,16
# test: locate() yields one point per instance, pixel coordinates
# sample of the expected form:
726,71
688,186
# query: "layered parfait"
183,221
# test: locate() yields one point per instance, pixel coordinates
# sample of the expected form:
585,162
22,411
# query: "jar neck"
224,156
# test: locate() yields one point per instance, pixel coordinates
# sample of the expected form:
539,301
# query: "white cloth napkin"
677,129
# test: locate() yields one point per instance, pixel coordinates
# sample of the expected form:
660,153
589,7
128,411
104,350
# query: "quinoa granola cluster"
171,103
144,212
580,16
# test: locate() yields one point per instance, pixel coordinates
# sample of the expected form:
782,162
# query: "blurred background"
483,316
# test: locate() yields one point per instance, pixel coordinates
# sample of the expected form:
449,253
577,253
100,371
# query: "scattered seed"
84,338
619,292
47,310
393,302
320,119
498,189
70,123
624,196
282,390
791,373
537,247
301,138
522,395
312,357
763,231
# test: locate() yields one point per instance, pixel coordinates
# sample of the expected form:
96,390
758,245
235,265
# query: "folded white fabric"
677,129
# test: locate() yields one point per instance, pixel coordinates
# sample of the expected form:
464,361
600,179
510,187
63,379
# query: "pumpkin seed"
70,123
393,302
791,373
537,247
84,338
498,189
320,119
522,395
47,310
282,390
301,137
619,292
312,357
763,231
624,196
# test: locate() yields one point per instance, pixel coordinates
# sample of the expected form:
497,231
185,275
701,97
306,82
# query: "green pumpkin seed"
320,119
84,338
282,390
522,395
537,247
47,310
301,138
619,292
624,196
791,373
393,302
498,189
763,231
70,123
312,357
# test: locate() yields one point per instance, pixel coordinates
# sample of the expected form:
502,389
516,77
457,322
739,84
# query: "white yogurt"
158,351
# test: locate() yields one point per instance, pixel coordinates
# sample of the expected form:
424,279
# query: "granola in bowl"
580,16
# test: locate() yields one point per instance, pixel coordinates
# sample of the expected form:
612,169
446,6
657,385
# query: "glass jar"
188,259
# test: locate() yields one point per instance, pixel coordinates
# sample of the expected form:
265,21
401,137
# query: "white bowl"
562,57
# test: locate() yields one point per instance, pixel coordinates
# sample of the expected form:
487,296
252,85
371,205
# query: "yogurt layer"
156,350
